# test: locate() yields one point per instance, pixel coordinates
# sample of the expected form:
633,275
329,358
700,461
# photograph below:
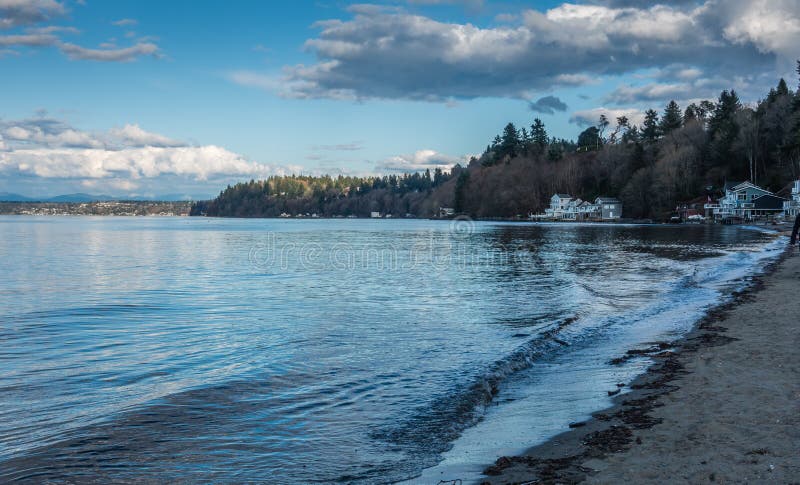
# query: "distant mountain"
9,197
79,198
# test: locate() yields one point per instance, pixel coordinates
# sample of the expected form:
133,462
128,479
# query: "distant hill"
81,197
9,197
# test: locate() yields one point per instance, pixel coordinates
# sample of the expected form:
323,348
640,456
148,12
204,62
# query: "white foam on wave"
539,402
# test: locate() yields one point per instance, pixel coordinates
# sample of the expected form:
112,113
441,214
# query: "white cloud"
19,13
146,162
120,158
29,40
125,54
650,92
390,53
25,12
125,22
773,26
420,160
591,117
133,135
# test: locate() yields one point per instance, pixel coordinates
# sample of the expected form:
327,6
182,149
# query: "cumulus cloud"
591,117
773,26
45,132
144,162
418,161
133,135
393,54
120,158
14,13
547,105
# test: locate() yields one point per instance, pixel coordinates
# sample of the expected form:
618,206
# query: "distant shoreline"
98,208
181,209
716,404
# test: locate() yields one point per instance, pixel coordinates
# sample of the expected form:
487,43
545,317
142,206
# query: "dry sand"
722,406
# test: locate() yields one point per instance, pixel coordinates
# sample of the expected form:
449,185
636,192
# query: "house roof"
563,196
731,185
748,185
769,202
608,200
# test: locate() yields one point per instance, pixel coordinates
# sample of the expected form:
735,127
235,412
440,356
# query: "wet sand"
721,405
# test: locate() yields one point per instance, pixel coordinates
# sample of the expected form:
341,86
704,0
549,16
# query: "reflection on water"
301,351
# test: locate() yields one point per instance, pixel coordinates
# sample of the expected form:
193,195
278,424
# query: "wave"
685,300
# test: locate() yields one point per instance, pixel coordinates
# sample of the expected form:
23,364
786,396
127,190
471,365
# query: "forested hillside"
676,155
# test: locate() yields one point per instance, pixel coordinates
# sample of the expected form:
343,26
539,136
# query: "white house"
792,207
745,201
558,206
564,207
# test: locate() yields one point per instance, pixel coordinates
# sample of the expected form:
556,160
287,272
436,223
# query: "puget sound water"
328,351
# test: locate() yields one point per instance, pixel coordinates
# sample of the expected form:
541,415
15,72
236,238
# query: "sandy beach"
721,405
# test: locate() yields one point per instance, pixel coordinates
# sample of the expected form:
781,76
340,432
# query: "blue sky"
146,98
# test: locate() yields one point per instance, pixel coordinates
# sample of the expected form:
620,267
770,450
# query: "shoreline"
643,436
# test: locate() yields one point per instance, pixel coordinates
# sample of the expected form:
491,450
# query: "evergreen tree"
723,128
783,89
539,136
510,141
672,119
650,131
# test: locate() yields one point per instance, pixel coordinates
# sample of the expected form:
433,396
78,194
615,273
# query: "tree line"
674,156
329,196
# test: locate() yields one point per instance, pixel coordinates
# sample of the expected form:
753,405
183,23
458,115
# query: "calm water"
326,350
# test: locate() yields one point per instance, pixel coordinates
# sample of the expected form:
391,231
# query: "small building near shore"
609,208
745,201
445,212
559,203
564,207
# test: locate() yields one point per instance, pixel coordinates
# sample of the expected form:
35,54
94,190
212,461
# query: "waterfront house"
608,208
792,207
564,207
558,206
741,202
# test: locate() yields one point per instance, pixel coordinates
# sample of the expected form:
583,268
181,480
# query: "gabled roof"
563,196
730,185
748,185
608,200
